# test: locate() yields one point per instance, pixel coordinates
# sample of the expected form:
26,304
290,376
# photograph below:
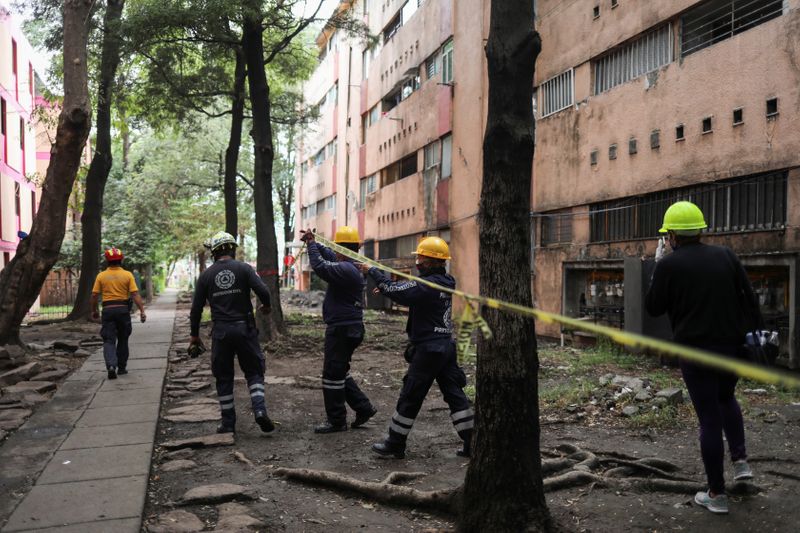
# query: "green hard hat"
220,239
683,216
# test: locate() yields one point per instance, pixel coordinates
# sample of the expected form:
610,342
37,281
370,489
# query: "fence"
56,299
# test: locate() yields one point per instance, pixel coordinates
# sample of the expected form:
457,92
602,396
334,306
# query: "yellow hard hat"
346,235
433,247
683,216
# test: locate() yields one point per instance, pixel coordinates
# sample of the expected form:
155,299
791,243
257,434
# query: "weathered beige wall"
760,63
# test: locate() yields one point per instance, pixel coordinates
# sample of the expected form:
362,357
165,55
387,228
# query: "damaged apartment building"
637,104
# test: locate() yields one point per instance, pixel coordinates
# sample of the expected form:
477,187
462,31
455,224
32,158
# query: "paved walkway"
91,445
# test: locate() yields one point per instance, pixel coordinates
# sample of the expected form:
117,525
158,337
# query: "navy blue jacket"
429,310
227,285
344,299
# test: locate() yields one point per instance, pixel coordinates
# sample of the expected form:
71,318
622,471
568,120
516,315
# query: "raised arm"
340,272
405,292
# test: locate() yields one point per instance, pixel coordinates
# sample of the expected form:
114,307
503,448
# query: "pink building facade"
637,104
21,148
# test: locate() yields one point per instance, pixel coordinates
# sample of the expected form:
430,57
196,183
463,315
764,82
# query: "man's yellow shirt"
114,283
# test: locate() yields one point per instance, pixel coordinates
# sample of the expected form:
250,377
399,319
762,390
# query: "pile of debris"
303,299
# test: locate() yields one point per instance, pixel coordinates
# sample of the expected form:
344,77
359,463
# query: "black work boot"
466,449
327,427
122,371
266,425
112,372
361,418
226,428
389,449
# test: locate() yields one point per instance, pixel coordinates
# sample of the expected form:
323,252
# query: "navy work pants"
338,387
432,361
712,394
115,330
230,340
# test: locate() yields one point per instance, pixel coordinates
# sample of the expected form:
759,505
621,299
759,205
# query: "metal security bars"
751,203
556,229
557,93
647,53
717,20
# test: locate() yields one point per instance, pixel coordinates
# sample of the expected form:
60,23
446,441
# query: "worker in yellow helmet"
431,352
343,313
706,294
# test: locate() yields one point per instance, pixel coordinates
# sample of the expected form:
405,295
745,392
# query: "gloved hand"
307,235
660,249
196,347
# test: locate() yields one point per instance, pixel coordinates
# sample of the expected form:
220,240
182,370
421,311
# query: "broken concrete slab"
217,493
28,386
199,401
674,396
51,375
203,416
176,522
643,396
630,410
183,453
116,435
177,464
66,346
204,441
21,373
235,517
197,385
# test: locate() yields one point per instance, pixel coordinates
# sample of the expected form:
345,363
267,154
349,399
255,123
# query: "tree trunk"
267,253
201,261
96,178
22,279
235,141
148,282
503,489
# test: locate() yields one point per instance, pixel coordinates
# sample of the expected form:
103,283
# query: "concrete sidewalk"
91,445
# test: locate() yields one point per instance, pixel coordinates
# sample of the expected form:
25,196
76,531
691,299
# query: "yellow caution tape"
633,340
470,320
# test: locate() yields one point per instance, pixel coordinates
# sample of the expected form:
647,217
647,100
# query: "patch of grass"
469,390
564,394
661,379
606,354
301,319
206,316
667,417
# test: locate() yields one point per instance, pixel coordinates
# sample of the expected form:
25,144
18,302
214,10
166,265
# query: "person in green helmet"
711,305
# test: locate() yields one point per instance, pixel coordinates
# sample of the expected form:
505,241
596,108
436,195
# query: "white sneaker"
741,470
718,504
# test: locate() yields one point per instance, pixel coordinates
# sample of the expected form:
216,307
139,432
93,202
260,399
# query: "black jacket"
226,285
344,299
429,310
706,294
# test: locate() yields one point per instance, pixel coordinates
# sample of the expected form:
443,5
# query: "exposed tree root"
786,475
441,500
569,467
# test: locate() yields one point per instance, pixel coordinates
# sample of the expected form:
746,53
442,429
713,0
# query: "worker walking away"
710,303
431,352
226,285
343,313
117,288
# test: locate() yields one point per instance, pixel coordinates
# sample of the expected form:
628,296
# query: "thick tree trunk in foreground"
503,489
22,279
234,142
267,253
91,218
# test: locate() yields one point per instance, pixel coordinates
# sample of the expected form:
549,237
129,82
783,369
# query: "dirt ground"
575,409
